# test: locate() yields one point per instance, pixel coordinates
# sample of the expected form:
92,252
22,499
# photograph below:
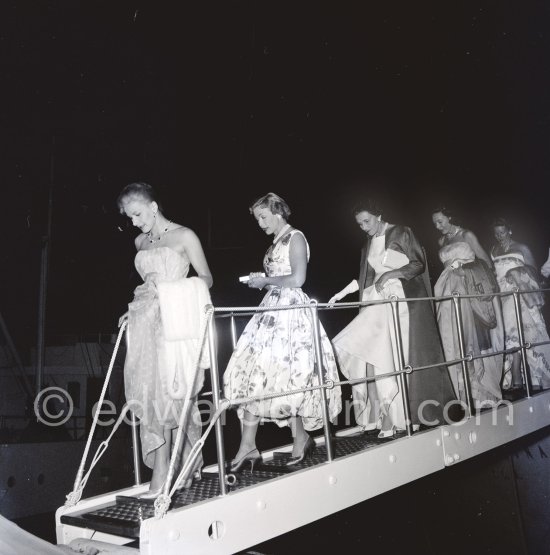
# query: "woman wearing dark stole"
392,263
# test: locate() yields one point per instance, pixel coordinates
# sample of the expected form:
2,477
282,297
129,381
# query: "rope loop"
73,497
162,504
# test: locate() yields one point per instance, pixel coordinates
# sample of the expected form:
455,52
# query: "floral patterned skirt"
275,354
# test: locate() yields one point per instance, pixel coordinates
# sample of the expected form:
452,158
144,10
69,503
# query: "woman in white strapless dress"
166,250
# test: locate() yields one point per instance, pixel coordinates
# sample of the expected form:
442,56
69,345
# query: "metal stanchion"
216,398
524,366
465,373
319,367
135,450
403,386
233,332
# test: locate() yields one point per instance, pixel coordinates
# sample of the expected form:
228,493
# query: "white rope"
102,447
224,405
74,496
162,502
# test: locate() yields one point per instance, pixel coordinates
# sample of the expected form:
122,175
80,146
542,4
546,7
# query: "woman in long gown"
515,266
275,352
467,270
153,385
392,263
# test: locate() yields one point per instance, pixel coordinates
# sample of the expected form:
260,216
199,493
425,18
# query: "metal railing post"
319,367
135,450
233,332
524,365
465,373
403,386
216,398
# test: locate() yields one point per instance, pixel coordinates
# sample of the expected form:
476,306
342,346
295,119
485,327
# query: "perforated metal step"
124,517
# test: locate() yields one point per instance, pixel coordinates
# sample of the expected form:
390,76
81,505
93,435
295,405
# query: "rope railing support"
77,487
162,502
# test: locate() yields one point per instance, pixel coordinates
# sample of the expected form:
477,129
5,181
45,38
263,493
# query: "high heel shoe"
309,445
251,456
385,434
373,427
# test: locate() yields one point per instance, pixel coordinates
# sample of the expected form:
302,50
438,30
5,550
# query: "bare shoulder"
184,234
467,234
298,238
521,247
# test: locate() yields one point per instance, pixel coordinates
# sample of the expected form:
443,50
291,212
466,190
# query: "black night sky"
216,103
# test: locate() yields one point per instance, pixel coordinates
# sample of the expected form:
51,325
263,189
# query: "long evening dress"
482,332
275,353
511,273
370,337
150,359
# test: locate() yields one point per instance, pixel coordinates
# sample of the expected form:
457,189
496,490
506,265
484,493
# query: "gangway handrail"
225,311
222,404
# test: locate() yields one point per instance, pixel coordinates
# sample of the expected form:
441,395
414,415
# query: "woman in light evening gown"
158,368
275,351
467,270
515,266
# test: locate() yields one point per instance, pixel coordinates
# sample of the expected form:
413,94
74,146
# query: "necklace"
457,229
150,234
281,233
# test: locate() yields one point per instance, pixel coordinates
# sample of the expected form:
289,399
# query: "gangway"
227,513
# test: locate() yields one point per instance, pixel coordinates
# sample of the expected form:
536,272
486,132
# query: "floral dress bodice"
277,258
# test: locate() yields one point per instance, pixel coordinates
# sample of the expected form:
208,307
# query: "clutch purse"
393,259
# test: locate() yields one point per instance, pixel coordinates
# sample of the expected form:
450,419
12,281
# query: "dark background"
216,103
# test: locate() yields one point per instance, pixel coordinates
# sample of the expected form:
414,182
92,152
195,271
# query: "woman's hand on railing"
351,287
335,298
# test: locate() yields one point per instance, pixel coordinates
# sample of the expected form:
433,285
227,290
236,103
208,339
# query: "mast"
43,287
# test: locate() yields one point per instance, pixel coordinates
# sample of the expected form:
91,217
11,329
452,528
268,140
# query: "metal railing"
231,313
403,369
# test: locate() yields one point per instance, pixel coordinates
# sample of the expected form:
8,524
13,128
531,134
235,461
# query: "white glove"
351,287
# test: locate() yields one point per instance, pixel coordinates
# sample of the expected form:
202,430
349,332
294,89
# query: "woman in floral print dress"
275,352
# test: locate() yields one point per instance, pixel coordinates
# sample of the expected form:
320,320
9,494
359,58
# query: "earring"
380,217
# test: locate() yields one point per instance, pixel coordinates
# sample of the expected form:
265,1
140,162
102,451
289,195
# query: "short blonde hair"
275,204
